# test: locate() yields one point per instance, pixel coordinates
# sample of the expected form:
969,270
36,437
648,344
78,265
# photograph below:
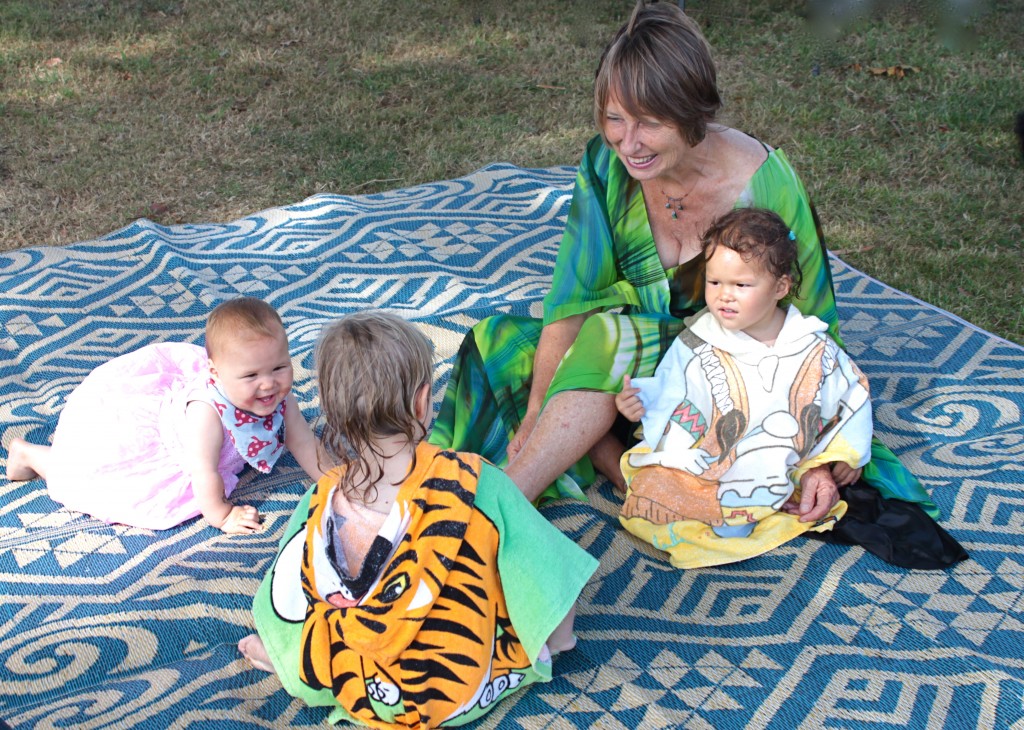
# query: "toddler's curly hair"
755,233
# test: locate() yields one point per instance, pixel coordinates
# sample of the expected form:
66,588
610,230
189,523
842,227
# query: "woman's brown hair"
658,64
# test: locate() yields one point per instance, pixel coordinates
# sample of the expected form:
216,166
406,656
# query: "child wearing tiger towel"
414,587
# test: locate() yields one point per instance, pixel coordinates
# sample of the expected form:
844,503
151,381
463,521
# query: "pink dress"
118,450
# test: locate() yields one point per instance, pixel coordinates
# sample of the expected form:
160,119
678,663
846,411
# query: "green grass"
209,110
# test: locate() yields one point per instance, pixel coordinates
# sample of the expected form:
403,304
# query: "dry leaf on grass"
152,210
897,71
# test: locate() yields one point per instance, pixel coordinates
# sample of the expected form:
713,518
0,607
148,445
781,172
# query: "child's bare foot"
252,649
556,647
19,460
562,638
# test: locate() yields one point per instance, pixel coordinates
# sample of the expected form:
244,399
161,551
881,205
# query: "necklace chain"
674,204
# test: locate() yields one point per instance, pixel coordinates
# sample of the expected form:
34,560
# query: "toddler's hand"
844,474
628,401
243,519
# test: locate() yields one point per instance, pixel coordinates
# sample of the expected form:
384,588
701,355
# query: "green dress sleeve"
608,258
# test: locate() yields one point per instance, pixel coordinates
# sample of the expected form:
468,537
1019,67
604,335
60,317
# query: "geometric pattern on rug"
106,626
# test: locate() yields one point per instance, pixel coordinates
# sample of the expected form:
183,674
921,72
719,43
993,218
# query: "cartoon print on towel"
732,450
404,650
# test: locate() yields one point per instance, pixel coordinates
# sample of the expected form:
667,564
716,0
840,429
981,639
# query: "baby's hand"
243,519
844,474
628,401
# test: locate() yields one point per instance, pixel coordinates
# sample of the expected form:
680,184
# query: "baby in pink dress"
159,435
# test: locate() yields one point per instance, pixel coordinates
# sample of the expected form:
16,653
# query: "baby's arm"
300,440
202,455
628,401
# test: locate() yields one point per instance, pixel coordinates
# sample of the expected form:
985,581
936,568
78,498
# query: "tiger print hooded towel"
473,582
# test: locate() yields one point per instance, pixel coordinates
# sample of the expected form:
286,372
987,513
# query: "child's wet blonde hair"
370,366
241,317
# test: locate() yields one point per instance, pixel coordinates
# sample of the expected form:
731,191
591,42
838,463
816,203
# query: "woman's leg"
571,423
487,395
580,410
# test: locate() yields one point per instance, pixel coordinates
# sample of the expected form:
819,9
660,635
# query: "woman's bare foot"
21,460
252,649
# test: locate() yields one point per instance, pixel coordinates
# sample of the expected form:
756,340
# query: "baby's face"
254,372
743,295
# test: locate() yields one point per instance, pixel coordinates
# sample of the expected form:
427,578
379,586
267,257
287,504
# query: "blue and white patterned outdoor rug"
108,626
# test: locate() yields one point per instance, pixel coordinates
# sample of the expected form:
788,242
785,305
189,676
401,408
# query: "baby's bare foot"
18,469
252,649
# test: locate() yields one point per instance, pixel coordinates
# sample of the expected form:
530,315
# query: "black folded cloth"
900,533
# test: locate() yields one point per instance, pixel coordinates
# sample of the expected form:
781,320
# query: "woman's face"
649,148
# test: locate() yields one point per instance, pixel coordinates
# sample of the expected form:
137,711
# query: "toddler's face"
743,295
254,372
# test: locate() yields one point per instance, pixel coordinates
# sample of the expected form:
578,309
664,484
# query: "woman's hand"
818,495
628,402
522,434
844,474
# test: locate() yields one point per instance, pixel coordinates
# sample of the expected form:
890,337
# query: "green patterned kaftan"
608,261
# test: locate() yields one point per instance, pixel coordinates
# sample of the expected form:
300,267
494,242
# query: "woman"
542,394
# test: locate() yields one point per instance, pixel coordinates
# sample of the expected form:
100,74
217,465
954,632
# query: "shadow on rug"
110,626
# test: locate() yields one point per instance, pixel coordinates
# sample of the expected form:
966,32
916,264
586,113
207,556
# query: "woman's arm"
202,455
300,439
555,340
